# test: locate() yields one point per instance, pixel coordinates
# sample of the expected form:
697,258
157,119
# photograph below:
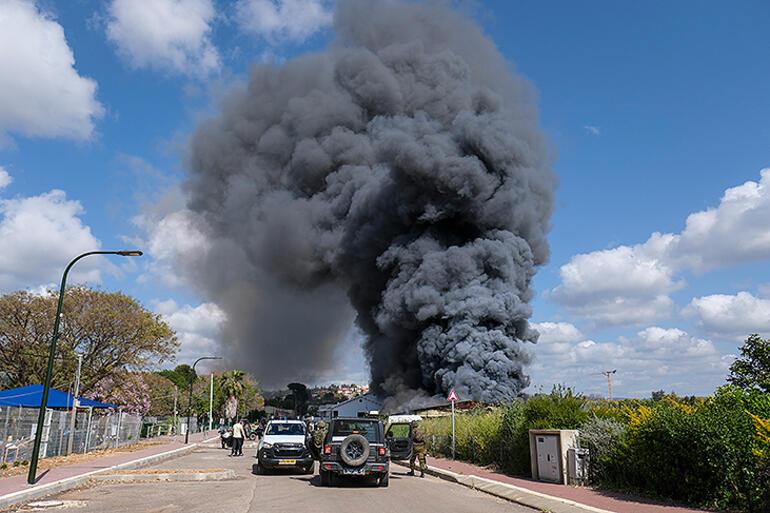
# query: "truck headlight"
267,445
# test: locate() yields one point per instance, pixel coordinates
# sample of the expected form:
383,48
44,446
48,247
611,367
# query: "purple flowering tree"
127,390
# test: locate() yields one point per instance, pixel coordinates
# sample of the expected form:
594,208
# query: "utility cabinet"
548,450
577,466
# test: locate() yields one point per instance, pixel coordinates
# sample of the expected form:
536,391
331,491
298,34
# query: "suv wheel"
354,450
384,480
326,478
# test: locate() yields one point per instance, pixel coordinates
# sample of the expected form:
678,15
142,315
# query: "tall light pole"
75,401
189,396
52,355
211,402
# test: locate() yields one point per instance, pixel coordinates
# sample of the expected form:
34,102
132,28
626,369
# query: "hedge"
710,453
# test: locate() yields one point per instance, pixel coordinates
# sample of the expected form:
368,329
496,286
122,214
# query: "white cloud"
631,284
5,178
41,92
197,327
738,315
735,231
623,285
40,235
655,358
592,130
174,240
283,20
173,35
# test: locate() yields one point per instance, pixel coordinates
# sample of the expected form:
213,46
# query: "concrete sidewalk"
14,489
546,496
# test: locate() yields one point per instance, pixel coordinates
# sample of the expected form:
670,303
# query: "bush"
603,437
712,452
476,435
704,455
500,436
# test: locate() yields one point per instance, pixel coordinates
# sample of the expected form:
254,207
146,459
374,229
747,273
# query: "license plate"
287,462
354,471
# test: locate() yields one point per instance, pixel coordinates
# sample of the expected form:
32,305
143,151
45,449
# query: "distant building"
273,412
355,407
445,408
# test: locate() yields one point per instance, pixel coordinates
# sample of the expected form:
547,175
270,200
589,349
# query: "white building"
355,407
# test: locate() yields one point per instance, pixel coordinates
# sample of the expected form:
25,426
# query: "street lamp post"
189,395
52,355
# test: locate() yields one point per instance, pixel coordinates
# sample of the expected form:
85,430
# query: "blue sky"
653,110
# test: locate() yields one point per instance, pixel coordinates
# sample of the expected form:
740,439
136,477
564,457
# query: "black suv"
355,447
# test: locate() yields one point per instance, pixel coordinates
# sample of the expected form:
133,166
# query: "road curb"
217,475
523,496
62,485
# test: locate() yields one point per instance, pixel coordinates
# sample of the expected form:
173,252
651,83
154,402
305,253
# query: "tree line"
121,343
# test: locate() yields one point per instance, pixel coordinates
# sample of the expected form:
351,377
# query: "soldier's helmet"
321,425
414,423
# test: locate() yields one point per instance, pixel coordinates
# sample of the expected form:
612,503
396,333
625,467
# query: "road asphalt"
280,492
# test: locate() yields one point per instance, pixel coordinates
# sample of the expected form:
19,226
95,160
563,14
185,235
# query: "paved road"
279,493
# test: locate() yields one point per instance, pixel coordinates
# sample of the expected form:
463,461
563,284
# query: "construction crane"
608,374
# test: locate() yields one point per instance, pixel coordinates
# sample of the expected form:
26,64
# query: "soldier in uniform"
418,449
319,435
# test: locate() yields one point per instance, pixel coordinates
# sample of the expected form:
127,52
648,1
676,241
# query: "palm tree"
232,385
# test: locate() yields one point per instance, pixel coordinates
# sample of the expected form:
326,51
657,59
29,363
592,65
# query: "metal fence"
93,430
160,426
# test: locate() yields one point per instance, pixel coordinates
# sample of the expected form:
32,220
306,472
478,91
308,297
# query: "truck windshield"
350,427
285,429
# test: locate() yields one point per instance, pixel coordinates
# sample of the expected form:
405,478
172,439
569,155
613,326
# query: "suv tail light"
327,449
381,451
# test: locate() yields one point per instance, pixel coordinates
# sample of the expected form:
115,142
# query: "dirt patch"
59,461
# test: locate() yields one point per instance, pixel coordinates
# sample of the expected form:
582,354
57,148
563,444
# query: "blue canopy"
31,396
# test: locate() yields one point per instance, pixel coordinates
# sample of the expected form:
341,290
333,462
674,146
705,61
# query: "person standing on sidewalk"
238,434
418,449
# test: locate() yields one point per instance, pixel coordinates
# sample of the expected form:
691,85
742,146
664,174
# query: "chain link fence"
93,430
168,426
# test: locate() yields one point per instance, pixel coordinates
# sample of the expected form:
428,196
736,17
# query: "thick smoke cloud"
401,172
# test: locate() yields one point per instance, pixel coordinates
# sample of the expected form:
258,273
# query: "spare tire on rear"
354,450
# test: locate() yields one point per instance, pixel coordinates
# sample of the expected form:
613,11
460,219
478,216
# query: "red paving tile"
17,483
616,502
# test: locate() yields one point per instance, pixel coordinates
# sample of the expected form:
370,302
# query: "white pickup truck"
284,445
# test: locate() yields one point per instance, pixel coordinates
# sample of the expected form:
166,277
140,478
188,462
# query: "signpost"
453,398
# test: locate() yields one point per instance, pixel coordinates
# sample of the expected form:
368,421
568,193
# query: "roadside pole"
211,401
75,404
453,398
175,427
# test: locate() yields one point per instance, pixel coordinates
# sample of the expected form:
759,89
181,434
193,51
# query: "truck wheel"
259,469
385,480
325,481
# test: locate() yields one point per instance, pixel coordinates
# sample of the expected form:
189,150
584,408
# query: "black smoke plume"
402,172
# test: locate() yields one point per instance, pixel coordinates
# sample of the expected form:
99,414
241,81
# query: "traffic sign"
452,396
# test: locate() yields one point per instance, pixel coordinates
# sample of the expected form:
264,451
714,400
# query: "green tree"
162,391
752,368
181,376
113,332
299,397
233,385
